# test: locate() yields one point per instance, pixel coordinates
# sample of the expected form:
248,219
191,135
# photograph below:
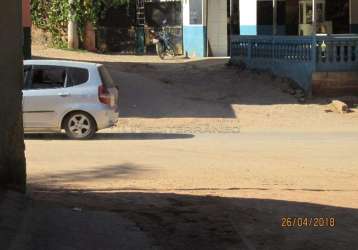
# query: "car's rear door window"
48,77
76,76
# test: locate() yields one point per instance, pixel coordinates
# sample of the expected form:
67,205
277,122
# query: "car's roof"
61,63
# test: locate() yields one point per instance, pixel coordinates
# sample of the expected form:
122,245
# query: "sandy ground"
208,191
206,96
208,157
293,167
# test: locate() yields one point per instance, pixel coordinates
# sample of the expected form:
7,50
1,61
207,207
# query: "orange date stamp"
304,222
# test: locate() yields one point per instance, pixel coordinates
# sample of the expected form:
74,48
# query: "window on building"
196,11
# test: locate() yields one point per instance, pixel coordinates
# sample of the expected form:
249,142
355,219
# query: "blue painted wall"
195,40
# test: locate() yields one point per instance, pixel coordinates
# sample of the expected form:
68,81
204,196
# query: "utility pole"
12,156
73,41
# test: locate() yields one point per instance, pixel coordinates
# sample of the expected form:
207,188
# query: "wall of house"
12,158
217,28
209,36
354,16
194,35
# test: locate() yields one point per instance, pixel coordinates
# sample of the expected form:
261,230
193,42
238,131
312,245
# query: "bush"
53,15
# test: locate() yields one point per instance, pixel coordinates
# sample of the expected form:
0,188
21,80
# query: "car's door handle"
64,94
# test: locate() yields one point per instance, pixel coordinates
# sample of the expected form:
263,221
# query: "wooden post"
73,41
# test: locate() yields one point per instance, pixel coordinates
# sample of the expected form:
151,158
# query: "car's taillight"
103,95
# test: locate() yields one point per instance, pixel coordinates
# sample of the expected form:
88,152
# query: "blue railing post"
273,49
249,49
313,64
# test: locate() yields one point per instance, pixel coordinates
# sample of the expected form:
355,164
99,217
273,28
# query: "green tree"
53,15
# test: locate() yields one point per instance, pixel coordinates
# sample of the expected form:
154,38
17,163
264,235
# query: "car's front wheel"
79,126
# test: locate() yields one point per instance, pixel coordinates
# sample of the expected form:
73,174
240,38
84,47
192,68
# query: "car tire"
79,126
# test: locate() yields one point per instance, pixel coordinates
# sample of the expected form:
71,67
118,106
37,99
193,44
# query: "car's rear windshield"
106,77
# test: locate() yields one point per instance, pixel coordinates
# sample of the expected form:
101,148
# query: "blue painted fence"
297,57
337,53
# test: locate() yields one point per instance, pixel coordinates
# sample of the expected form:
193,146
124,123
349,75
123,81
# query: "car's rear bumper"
106,119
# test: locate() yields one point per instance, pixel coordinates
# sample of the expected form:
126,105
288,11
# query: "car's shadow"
113,136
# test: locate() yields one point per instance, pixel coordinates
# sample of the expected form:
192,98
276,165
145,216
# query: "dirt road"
293,167
208,157
168,110
208,191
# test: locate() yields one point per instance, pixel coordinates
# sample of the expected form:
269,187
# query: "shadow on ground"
114,172
175,221
113,136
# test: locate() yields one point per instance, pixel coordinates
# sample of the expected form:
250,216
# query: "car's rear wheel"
79,126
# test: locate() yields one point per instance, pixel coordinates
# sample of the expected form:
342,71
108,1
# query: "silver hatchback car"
77,97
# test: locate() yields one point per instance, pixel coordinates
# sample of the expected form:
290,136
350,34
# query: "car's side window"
76,76
48,77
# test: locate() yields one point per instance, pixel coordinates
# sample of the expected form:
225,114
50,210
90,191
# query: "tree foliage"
53,15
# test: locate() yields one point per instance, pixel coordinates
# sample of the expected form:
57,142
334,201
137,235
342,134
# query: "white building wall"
194,35
186,12
217,27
